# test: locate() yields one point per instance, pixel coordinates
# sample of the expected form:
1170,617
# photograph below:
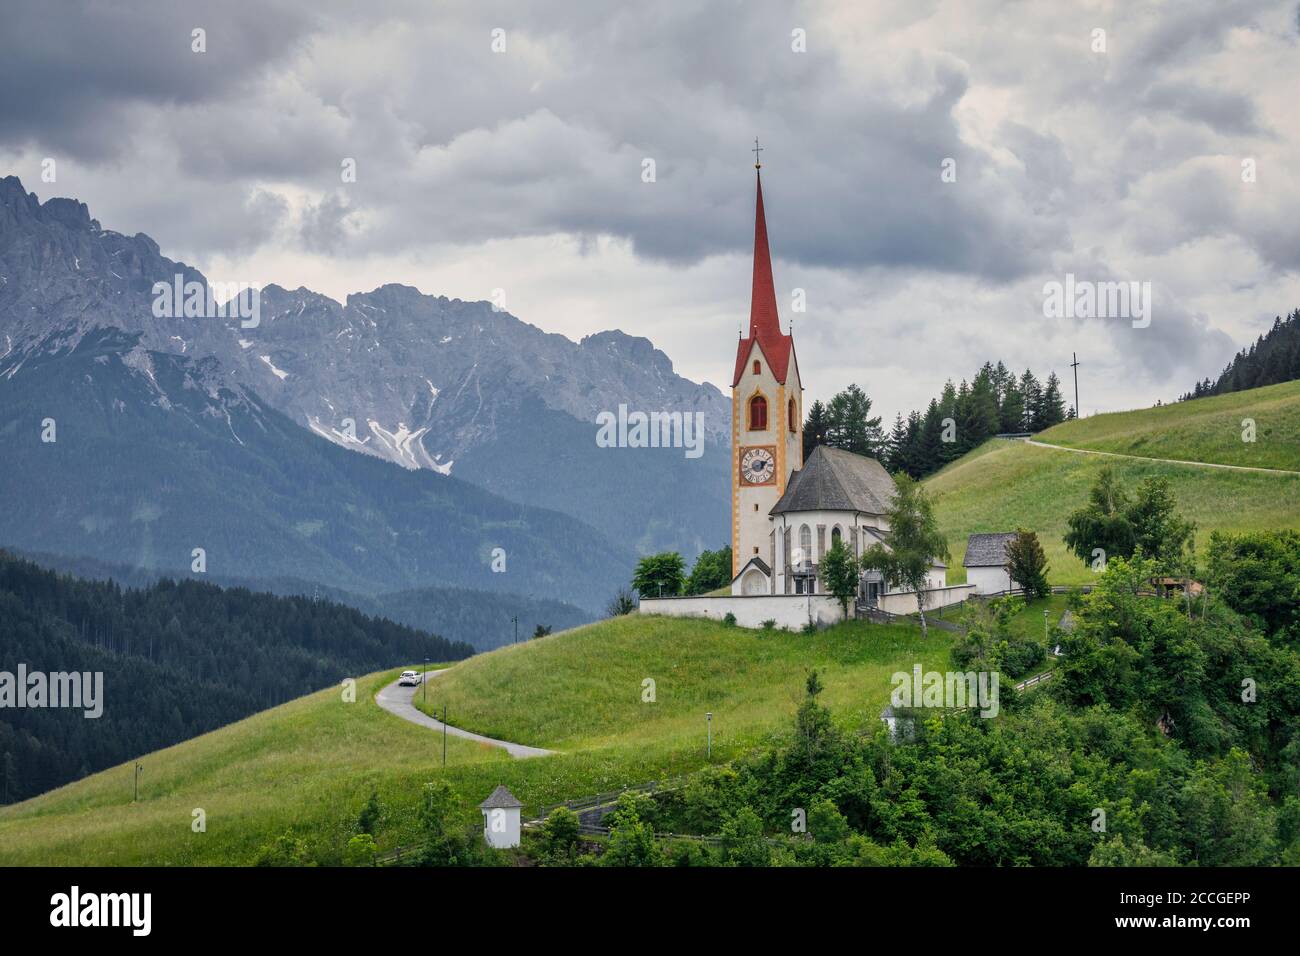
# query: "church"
787,513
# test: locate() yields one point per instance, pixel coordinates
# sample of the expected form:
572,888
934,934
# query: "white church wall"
904,602
792,611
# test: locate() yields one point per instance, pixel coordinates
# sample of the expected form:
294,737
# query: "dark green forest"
960,418
179,658
483,619
1274,357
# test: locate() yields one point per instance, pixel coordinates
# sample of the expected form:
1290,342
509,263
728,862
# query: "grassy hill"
1207,429
1005,484
307,767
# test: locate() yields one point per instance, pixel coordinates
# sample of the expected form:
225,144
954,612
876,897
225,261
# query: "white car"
409,679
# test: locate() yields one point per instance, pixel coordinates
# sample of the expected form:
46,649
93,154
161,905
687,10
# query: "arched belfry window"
758,414
792,414
758,367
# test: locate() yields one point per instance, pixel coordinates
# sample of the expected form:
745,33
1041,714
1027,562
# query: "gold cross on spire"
756,150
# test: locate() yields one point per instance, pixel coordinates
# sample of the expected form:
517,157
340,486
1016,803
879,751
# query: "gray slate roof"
987,550
500,798
757,562
836,480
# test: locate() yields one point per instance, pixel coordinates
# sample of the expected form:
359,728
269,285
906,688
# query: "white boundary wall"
788,610
904,602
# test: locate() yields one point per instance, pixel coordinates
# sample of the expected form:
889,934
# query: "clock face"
757,466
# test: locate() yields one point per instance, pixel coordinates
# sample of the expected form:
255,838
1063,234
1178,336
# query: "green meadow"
1003,485
1207,429
306,768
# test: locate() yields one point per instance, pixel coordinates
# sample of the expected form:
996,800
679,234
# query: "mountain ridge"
425,381
153,455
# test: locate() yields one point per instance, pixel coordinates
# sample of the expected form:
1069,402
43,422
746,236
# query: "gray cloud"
1126,161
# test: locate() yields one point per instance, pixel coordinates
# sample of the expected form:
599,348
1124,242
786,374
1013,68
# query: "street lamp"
1045,635
708,719
425,681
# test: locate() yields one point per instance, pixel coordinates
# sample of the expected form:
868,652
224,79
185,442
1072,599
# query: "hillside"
176,659
1206,429
155,456
1006,484
306,767
481,619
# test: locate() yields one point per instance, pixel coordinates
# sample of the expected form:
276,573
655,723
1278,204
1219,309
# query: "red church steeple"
764,324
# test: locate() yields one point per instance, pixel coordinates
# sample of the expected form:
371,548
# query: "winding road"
398,700
1165,461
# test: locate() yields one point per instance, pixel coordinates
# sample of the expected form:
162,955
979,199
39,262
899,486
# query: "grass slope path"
307,767
1206,430
1003,485
396,699
1165,461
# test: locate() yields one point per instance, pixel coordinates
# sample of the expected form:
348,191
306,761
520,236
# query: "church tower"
766,412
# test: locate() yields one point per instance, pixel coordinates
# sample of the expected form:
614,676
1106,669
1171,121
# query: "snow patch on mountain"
278,373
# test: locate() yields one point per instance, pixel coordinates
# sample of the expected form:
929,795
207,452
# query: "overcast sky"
522,170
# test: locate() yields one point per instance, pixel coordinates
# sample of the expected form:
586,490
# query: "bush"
729,619
621,603
360,851
769,624
370,815
1021,656
284,850
560,836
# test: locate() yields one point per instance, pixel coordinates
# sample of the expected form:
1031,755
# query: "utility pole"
516,620
136,795
444,733
424,679
709,720
1075,365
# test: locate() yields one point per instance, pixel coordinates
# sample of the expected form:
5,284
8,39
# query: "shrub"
560,835
621,603
370,815
284,850
360,851
729,620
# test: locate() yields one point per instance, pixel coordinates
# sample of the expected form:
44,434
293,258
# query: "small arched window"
793,415
758,367
758,414
805,544
836,536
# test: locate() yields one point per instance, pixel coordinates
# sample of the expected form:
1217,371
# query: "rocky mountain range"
150,459
426,382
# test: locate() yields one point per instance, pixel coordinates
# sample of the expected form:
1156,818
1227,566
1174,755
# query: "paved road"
1166,461
397,700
